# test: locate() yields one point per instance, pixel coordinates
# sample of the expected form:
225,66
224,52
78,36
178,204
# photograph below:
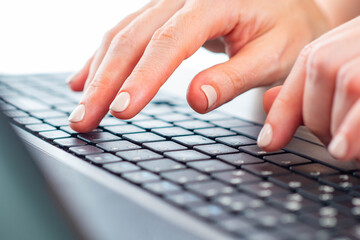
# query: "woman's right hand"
262,39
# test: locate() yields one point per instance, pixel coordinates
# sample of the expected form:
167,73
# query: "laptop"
168,173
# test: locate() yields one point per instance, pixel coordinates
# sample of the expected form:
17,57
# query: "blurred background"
59,36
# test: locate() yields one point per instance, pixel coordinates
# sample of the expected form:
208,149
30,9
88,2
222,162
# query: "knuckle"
166,36
100,81
123,41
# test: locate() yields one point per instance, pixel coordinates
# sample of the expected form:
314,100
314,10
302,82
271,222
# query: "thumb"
269,98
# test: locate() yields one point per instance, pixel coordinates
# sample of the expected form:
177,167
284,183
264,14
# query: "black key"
40,127
349,206
103,158
172,131
54,134
143,137
111,121
27,120
270,218
314,170
342,181
286,159
121,167
294,181
304,133
193,124
266,169
294,202
124,129
161,165
149,124
323,193
229,123
164,146
236,177
162,187
58,122
69,130
211,116
186,155
263,189
210,188
98,137
184,176
257,151
215,149
215,132
138,155
48,114
251,132
69,142
210,166
329,218
193,140
15,113
318,153
141,177
184,199
65,108
240,226
236,141
116,146
239,202
172,117
210,211
85,150
27,104
239,159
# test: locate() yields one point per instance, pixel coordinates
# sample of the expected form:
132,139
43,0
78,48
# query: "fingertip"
76,81
202,94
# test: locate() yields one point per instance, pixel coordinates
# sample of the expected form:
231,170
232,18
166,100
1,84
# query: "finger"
178,39
215,45
124,52
346,143
322,70
347,92
256,64
269,98
285,115
76,81
107,39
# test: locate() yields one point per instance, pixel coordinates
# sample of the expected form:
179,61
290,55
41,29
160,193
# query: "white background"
57,36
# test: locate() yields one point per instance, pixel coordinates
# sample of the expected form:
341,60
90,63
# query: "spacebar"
27,104
318,153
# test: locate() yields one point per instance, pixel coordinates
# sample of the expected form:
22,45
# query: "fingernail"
210,94
121,102
265,136
338,146
77,114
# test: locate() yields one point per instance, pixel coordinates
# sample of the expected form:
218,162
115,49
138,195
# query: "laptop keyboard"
207,165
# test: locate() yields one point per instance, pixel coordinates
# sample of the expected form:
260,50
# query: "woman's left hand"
322,92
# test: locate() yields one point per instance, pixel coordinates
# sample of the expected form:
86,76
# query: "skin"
140,53
322,92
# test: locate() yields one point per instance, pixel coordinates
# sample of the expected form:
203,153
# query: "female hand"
323,92
262,39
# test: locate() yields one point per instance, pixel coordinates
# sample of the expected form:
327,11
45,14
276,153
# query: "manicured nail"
338,146
210,94
77,114
121,102
265,136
